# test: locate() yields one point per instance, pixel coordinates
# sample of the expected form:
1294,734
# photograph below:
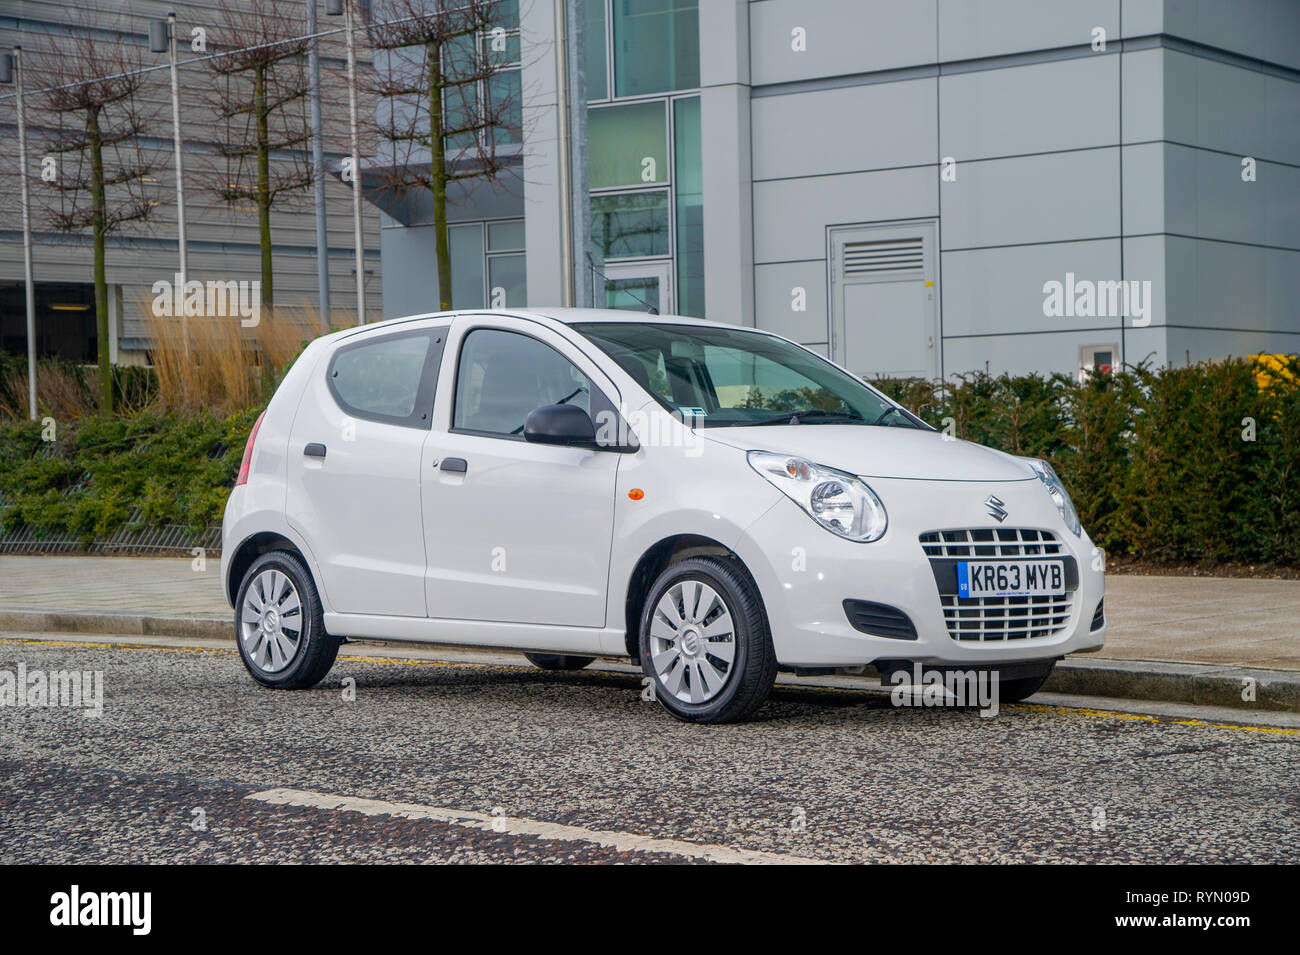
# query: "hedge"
88,482
1198,464
1163,465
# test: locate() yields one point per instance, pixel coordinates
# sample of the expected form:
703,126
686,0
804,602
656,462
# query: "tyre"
705,643
280,625
1013,691
557,661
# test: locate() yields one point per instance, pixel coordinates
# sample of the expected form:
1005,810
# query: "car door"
354,468
516,532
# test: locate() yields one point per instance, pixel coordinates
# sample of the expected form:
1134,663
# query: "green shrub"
1160,463
1156,460
99,471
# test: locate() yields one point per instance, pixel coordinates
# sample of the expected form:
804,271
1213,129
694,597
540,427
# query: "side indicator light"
636,494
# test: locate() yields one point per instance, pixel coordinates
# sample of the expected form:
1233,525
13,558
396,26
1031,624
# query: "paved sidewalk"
1225,621
164,586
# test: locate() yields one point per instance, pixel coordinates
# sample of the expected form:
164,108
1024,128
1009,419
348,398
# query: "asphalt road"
435,762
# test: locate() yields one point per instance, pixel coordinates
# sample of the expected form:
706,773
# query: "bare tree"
261,97
93,122
441,110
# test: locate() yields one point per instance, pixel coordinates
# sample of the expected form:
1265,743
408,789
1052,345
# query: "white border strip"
620,841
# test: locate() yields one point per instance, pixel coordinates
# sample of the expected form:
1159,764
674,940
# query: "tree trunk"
99,229
260,110
438,163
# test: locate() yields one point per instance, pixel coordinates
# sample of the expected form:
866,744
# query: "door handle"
314,450
458,465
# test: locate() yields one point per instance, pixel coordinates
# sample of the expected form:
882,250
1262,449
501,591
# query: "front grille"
991,542
983,619
1099,618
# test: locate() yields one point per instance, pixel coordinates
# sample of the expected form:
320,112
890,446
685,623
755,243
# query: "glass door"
639,287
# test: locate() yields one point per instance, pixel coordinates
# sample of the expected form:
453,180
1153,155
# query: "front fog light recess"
837,500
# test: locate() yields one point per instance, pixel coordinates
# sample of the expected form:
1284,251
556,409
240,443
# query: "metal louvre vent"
991,542
1005,618
884,257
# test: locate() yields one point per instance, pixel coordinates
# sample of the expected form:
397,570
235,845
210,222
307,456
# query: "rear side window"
505,375
389,379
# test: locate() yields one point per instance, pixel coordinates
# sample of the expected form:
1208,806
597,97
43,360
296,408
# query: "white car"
716,502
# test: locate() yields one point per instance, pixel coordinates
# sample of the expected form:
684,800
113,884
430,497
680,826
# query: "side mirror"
560,424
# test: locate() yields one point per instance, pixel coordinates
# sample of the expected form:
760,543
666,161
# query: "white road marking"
620,841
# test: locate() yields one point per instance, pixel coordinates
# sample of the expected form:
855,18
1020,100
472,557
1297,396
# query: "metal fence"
169,540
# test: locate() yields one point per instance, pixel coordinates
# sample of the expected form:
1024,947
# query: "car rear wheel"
558,661
705,642
280,624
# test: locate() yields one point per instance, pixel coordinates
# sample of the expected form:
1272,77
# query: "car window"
721,378
505,375
388,379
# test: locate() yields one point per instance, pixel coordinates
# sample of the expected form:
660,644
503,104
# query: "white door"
884,299
516,532
638,287
354,469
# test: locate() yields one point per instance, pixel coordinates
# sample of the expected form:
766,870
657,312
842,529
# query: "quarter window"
388,379
505,375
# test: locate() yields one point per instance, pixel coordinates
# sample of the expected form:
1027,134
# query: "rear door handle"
459,465
314,450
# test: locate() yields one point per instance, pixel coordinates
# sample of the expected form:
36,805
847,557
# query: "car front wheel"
705,642
280,624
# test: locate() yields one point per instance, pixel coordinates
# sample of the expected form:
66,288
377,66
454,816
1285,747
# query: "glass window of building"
689,187
506,281
630,224
594,40
488,264
643,128
627,145
656,46
494,102
466,242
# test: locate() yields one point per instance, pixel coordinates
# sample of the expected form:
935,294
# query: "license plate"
1010,578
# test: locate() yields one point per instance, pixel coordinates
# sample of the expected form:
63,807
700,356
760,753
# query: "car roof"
566,316
572,316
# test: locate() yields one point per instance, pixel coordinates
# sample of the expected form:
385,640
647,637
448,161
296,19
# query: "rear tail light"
248,452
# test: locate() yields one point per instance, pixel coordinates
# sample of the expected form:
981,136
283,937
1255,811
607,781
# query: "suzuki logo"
996,509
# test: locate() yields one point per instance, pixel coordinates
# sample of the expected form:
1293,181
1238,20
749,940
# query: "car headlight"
1057,492
836,500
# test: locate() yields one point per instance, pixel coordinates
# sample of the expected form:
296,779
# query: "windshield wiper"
895,409
798,417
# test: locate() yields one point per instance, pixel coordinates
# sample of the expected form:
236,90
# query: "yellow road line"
1032,707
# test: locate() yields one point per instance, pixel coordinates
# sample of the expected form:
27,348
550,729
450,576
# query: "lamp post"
318,167
162,36
334,8
11,71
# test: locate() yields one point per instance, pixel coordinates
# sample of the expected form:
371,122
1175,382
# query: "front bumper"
805,574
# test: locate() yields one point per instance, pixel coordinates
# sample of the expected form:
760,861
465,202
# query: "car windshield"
721,378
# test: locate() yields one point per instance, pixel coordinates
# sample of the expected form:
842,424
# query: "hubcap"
271,621
692,641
